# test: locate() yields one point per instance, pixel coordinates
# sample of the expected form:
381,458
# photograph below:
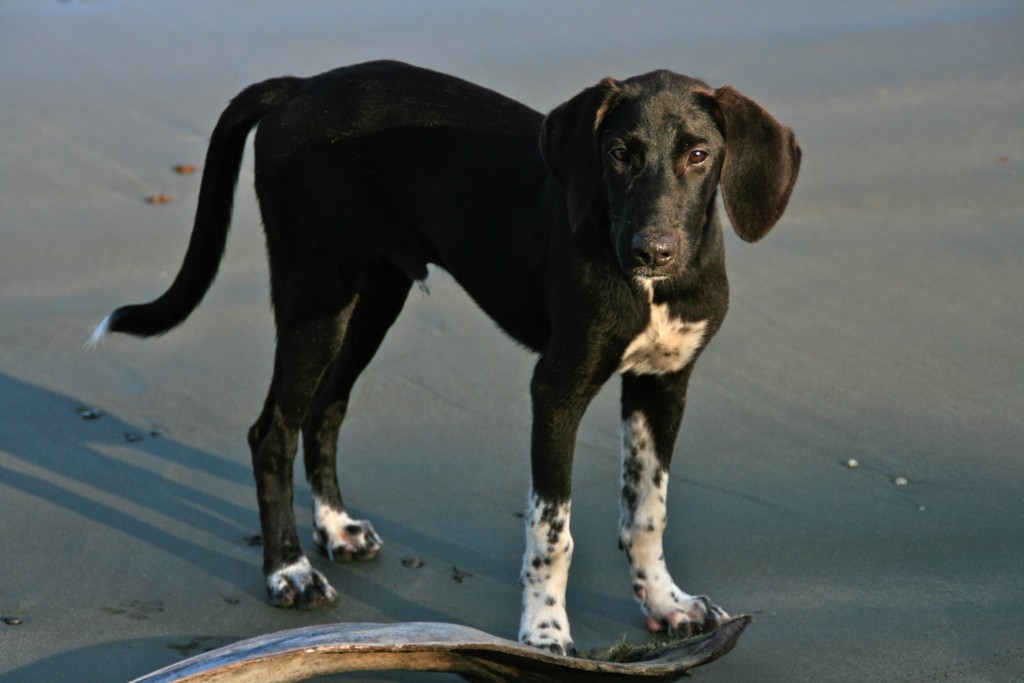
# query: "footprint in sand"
136,609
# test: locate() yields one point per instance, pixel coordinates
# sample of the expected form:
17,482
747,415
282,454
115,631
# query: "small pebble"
852,463
89,413
412,562
900,481
132,437
11,621
459,575
159,199
185,169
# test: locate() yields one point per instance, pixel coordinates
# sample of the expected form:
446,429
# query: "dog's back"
391,145
385,96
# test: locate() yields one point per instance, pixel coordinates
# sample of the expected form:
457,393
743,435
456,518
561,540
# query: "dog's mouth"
639,270
649,274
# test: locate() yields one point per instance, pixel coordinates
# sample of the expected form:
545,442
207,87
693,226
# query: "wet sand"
881,321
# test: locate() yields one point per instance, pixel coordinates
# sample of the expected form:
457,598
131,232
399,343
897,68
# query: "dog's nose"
655,248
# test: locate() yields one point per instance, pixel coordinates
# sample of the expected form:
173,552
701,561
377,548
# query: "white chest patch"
666,345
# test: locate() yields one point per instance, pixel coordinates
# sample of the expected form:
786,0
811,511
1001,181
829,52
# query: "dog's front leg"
559,401
545,574
652,411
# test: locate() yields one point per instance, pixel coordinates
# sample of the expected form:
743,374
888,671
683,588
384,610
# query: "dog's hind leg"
337,535
304,353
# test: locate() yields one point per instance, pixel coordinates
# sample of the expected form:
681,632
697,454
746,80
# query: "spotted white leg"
549,545
642,524
341,538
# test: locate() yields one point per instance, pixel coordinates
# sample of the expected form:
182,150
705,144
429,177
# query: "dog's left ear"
568,144
762,159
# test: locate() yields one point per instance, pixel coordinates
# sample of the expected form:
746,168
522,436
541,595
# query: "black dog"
590,236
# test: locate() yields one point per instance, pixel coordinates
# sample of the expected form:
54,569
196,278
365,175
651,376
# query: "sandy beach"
881,322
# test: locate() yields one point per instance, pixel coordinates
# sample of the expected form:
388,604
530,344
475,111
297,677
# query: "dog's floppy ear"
568,143
762,159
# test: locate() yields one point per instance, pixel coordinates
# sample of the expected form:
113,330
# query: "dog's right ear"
568,143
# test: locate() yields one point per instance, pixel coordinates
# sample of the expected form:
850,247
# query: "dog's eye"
620,154
697,157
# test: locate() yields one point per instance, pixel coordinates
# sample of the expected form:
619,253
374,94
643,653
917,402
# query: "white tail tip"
99,333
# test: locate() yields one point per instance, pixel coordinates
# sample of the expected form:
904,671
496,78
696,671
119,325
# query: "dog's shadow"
124,477
191,504
139,482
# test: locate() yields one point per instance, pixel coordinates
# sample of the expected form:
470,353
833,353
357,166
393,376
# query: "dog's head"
643,158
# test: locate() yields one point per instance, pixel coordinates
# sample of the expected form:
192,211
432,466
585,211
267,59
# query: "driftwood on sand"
298,654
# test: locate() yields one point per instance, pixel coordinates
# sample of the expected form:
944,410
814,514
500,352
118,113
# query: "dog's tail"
213,216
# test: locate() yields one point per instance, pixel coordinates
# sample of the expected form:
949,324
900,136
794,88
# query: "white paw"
548,629
341,538
300,586
678,614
